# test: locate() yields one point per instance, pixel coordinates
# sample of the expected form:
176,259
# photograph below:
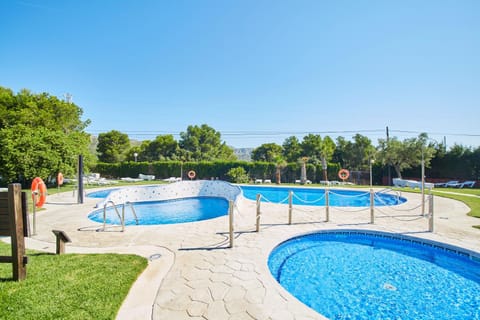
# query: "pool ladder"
122,216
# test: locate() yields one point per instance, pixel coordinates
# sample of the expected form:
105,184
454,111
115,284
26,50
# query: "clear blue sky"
257,71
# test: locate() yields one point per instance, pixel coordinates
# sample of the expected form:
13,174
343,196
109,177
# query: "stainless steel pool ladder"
122,216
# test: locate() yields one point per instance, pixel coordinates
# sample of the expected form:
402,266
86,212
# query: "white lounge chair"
469,184
147,177
452,183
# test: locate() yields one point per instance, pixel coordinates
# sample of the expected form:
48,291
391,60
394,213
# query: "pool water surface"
349,275
316,196
167,211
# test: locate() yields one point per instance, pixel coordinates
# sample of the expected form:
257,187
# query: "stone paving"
208,280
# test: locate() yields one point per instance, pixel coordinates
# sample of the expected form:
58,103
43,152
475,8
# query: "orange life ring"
191,174
59,179
39,192
343,174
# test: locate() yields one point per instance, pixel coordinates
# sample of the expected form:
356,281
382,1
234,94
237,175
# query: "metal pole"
123,217
290,209
327,206
423,185
34,216
259,197
80,179
430,218
388,166
230,220
372,207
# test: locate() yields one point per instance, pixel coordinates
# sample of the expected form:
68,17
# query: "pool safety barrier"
259,213
230,221
372,195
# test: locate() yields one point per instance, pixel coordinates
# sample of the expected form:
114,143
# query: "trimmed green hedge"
213,170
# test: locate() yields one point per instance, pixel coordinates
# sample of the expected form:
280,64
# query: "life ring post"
191,174
59,179
39,197
343,174
39,192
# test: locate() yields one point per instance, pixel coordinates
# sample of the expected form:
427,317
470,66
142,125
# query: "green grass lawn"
69,286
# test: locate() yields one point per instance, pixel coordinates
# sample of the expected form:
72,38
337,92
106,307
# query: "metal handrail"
121,217
133,210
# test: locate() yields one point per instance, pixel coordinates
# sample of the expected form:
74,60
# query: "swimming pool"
316,196
167,211
354,274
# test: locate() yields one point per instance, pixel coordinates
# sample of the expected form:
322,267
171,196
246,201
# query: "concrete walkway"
192,273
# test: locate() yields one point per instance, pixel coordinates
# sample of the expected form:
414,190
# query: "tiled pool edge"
465,253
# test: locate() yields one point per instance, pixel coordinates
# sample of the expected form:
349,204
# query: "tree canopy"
203,143
268,152
112,146
407,153
41,135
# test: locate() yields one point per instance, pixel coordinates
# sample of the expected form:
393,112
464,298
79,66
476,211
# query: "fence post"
290,209
259,196
327,205
34,213
230,220
372,207
430,216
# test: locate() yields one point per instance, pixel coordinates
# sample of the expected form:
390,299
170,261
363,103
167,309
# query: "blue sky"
257,71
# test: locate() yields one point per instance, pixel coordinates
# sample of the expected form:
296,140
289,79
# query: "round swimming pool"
363,275
167,211
316,196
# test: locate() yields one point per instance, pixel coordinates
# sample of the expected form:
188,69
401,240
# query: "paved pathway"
196,275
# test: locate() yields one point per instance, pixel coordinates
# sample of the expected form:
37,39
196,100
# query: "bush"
238,175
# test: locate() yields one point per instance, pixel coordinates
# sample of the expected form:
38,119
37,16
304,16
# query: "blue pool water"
357,275
316,196
167,211
100,194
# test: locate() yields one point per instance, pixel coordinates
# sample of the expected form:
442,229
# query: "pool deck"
192,274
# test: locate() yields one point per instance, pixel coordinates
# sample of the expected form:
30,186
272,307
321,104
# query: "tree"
280,164
41,135
204,144
267,152
405,154
112,146
355,155
292,150
316,148
164,147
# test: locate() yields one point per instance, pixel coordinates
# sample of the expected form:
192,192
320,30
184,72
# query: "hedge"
213,170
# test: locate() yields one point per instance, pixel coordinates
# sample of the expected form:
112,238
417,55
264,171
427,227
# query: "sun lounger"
401,183
449,184
147,177
469,184
128,179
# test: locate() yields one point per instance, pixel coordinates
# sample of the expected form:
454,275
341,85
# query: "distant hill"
244,154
